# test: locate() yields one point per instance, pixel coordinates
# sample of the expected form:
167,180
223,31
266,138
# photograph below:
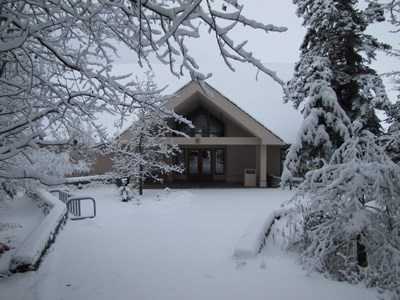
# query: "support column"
263,166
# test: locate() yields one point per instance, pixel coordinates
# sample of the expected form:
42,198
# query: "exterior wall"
233,130
238,159
274,160
103,164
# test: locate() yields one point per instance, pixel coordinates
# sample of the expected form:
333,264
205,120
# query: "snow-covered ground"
180,247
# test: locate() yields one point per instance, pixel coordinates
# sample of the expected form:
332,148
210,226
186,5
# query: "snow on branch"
325,127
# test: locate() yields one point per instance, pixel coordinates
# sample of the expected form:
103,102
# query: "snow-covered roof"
254,93
262,132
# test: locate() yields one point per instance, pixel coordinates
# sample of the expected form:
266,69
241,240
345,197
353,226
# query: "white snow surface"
180,247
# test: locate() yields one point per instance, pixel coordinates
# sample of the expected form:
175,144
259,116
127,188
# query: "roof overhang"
193,95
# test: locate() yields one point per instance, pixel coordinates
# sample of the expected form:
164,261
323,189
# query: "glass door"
206,163
193,163
200,162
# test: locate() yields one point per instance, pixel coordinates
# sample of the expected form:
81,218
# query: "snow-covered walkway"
178,248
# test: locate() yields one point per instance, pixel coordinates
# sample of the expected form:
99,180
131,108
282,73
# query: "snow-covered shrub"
126,193
351,223
126,190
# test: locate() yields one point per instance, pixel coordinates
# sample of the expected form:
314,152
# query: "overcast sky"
278,47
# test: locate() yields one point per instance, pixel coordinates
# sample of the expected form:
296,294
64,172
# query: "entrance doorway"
200,166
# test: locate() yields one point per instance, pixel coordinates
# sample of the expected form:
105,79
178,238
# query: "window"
193,155
219,161
216,127
205,124
200,122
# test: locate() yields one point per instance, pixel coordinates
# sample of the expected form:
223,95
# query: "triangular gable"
235,113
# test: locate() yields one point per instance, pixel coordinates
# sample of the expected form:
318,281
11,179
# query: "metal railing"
74,202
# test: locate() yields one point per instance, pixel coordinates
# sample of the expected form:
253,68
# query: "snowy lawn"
178,248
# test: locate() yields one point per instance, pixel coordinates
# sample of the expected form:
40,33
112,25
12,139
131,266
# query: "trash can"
250,177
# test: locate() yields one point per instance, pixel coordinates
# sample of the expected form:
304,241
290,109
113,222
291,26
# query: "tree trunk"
361,253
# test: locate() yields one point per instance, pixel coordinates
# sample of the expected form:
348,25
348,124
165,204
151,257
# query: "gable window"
200,122
205,124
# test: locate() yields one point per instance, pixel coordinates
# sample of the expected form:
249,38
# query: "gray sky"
284,47
278,47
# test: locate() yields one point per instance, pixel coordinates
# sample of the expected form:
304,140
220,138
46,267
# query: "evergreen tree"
325,125
336,31
348,203
335,54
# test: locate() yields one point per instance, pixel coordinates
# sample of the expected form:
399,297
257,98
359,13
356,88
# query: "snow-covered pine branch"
325,125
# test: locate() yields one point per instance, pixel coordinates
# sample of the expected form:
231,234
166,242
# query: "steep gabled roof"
184,100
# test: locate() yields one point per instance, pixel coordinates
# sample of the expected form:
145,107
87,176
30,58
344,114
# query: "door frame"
199,175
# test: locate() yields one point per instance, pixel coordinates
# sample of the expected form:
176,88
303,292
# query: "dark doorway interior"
200,164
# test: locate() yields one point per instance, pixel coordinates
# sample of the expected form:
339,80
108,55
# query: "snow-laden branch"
31,174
